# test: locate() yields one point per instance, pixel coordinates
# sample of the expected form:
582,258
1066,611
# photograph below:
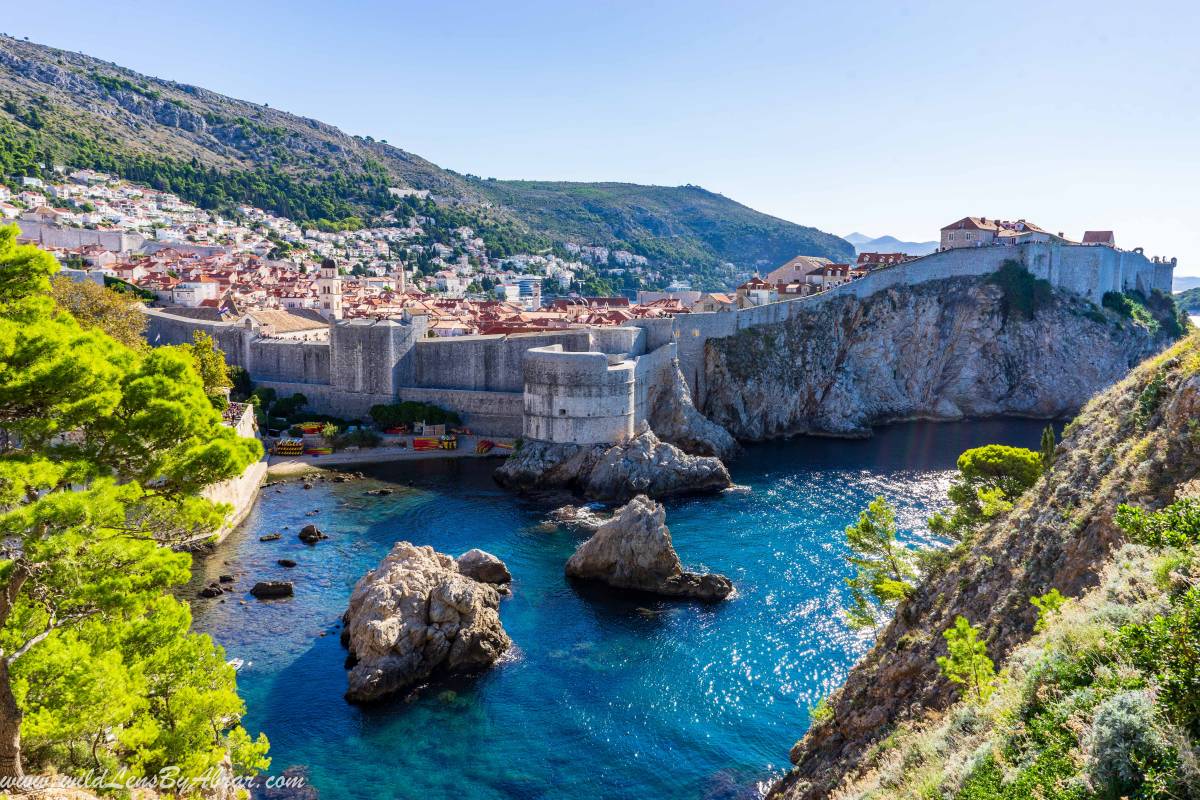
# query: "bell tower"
329,290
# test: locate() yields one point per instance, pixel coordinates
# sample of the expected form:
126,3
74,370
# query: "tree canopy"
990,479
104,452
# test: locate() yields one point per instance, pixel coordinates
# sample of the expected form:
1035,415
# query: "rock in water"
268,590
482,566
416,615
311,534
633,550
642,465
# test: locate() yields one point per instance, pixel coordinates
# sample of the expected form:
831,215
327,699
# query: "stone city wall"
46,235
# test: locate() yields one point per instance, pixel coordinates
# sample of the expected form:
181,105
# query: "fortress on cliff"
591,384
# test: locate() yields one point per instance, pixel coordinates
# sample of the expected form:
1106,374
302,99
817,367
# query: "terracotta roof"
290,321
1097,237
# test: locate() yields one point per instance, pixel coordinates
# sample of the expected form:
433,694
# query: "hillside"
1189,301
665,224
1096,701
58,107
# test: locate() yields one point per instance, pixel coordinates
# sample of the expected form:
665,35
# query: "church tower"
329,290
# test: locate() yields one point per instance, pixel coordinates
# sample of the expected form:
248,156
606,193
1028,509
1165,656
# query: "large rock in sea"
633,550
616,472
417,615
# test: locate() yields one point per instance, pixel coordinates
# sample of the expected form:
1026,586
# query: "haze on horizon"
876,117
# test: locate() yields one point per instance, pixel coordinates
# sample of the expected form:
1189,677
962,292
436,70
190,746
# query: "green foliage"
822,712
1167,648
990,479
967,663
409,412
1048,448
1023,294
1150,398
106,452
209,362
93,306
1188,302
1124,739
884,569
358,438
1047,605
1131,306
1177,525
329,431
241,384
288,407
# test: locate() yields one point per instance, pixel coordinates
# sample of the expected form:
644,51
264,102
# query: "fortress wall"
628,340
578,398
658,332
373,356
484,413
651,374
325,399
48,234
286,360
485,363
167,329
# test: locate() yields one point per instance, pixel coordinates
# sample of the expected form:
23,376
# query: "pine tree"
104,454
967,663
884,568
1048,448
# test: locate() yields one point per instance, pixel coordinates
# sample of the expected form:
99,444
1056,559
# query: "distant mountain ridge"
59,107
889,244
1182,283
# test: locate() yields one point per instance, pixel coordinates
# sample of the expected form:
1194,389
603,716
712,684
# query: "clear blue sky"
881,117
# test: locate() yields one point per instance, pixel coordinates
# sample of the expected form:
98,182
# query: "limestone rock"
577,517
311,534
482,566
674,418
269,590
633,550
943,349
414,616
642,465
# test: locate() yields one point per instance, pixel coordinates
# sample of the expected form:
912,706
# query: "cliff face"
1136,443
939,350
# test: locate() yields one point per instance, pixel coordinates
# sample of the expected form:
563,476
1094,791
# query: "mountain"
59,107
889,244
1184,282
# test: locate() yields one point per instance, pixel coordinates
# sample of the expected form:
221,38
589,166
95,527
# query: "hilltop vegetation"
58,107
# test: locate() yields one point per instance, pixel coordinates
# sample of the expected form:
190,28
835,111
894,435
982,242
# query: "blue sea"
606,695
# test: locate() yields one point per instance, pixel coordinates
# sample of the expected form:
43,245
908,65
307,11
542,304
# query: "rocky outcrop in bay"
944,350
617,472
633,550
417,615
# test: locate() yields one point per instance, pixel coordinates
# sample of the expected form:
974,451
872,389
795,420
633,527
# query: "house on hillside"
714,301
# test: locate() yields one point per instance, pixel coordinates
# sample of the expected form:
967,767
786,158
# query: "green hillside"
63,108
1189,301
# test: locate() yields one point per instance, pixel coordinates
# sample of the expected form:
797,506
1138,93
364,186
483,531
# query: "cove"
607,695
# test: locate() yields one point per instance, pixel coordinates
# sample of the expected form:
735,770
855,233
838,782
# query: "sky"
878,117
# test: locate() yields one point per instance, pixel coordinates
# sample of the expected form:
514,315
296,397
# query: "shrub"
1047,605
1123,741
1167,648
1023,294
1131,306
358,438
409,411
1177,525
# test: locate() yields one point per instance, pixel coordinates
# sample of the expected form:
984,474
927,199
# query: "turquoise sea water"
607,695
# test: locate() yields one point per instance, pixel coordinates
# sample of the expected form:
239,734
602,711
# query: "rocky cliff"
938,350
1136,443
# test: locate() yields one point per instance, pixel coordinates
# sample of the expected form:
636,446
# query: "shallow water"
607,696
